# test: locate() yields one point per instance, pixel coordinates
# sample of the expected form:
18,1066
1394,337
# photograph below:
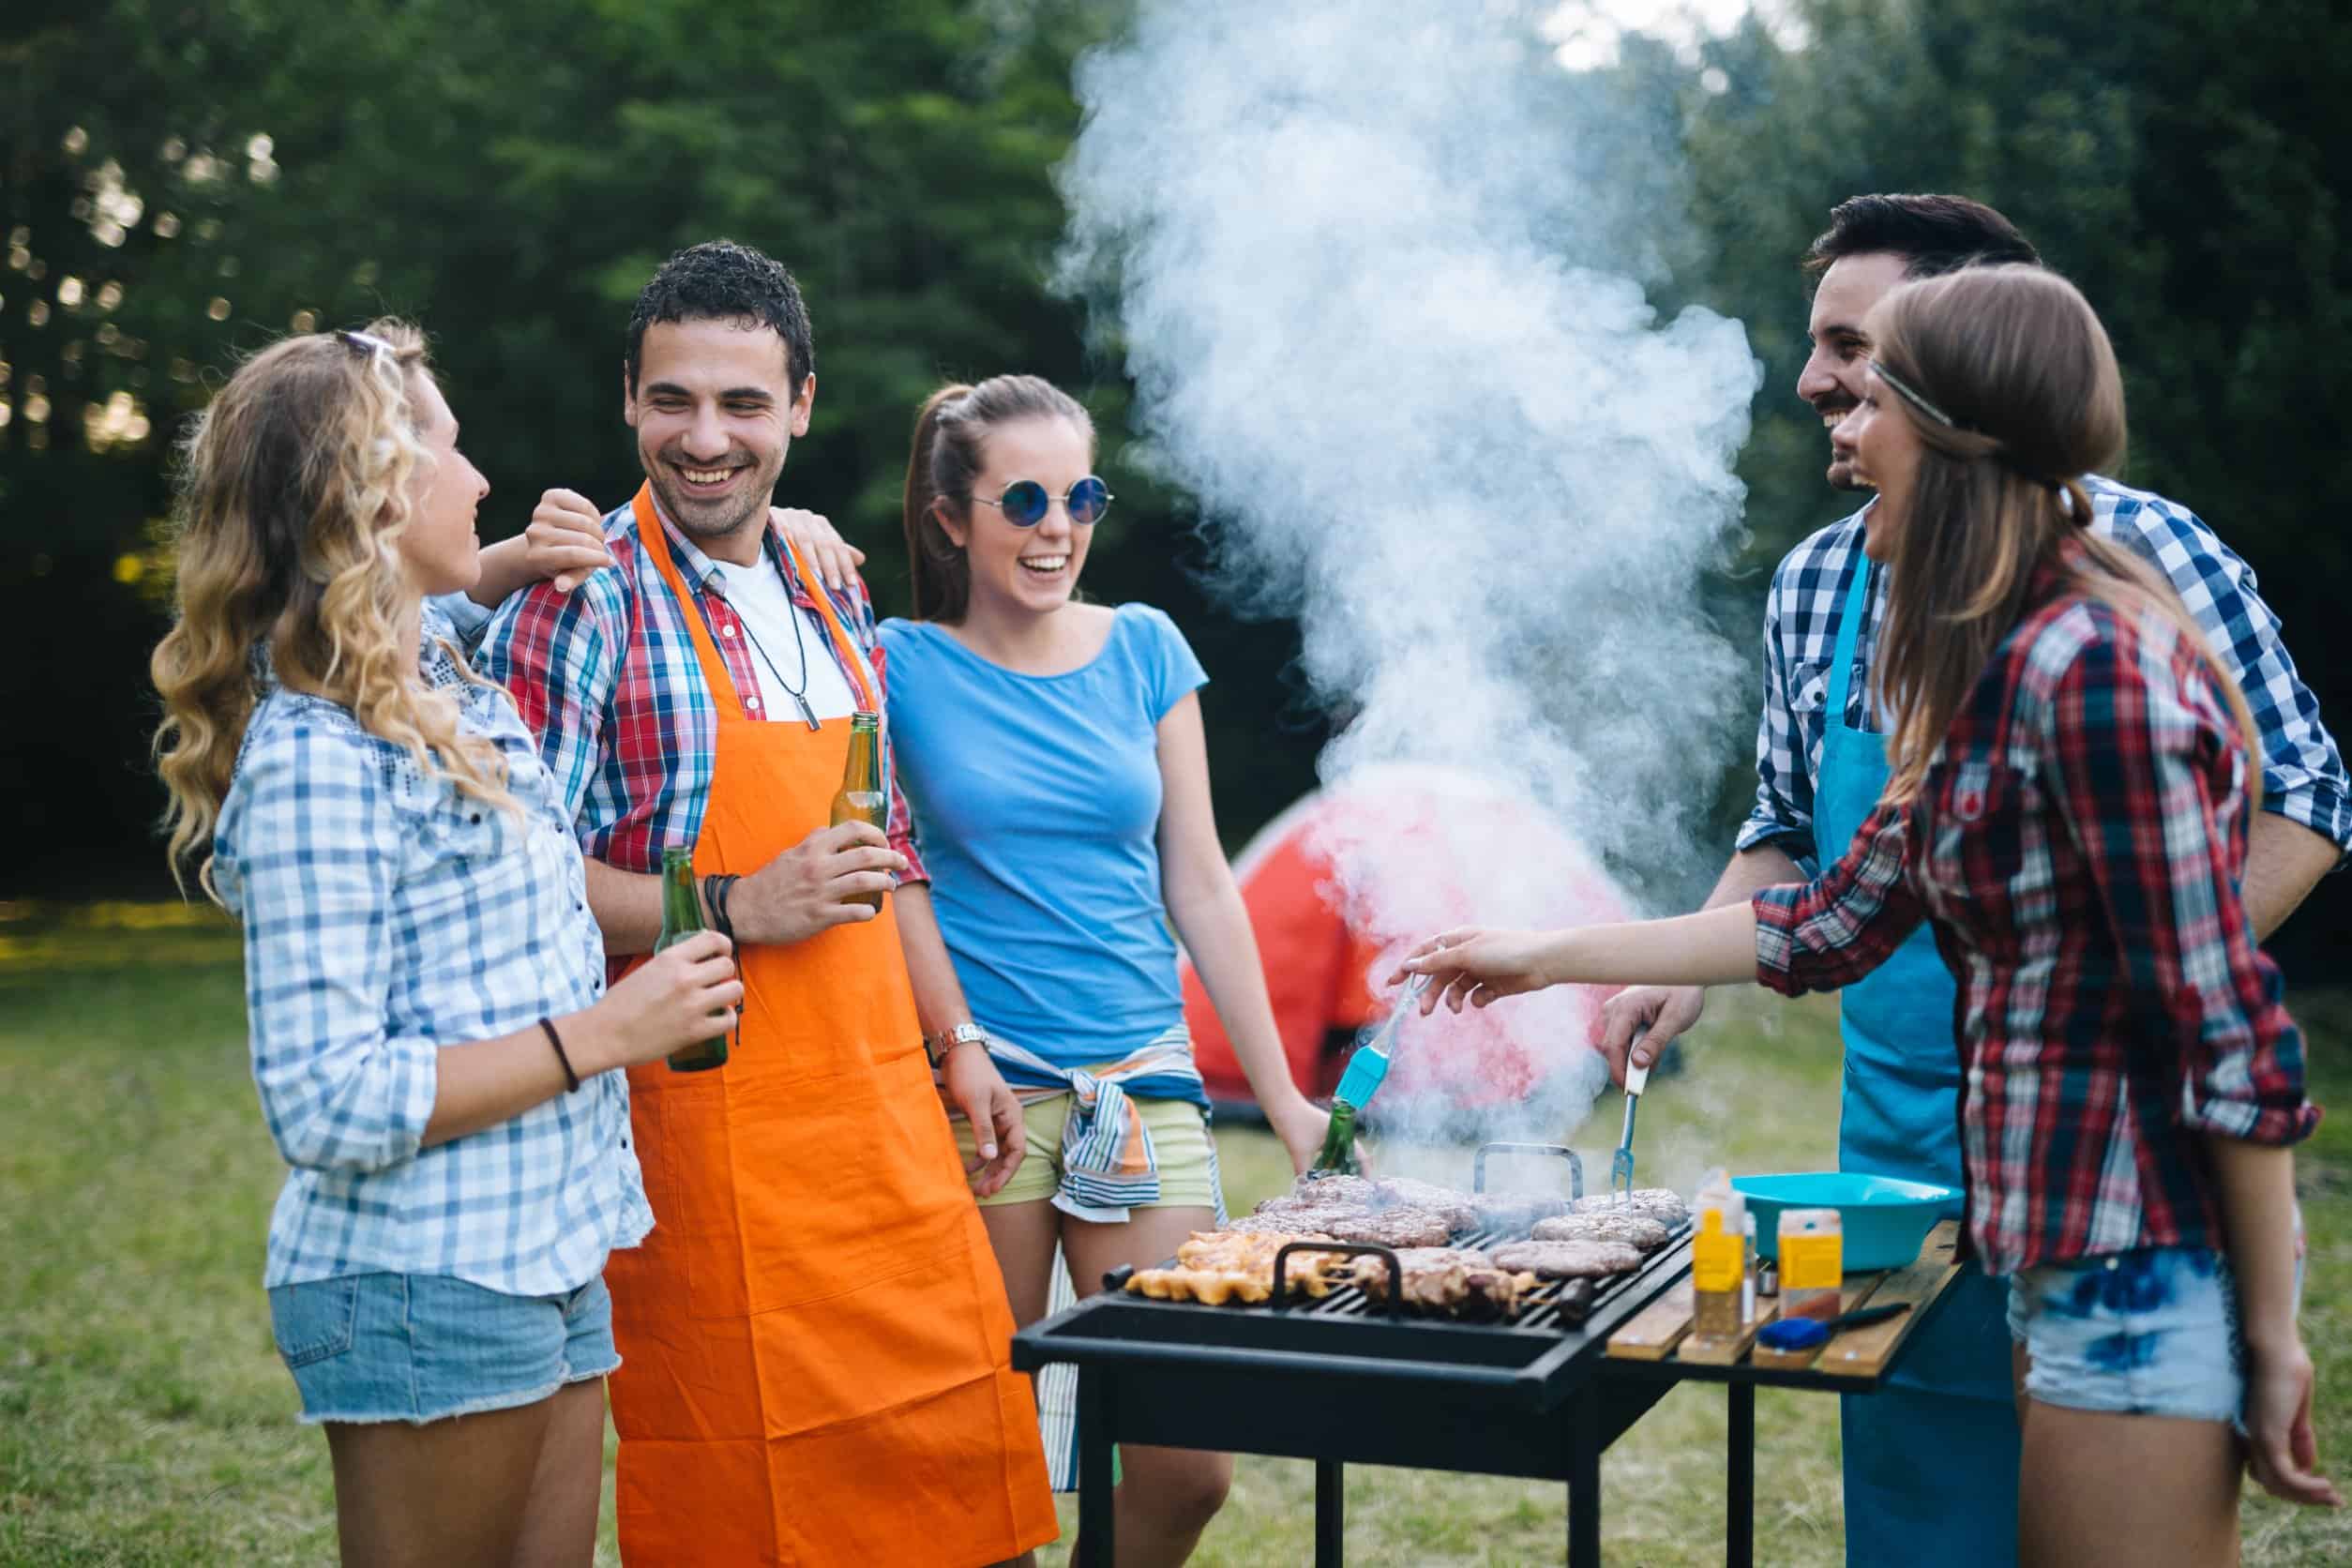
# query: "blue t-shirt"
1036,803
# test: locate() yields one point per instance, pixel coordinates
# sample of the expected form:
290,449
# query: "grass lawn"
144,1418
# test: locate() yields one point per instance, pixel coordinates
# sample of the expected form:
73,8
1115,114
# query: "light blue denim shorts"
419,1348
2152,1332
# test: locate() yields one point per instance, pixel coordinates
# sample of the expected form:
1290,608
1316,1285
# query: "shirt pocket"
1977,873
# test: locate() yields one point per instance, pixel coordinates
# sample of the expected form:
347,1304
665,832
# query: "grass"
144,1418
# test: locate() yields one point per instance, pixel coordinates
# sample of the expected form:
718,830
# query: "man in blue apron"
1931,1460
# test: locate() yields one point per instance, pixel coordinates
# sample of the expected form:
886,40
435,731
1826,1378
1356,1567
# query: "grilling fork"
1621,1163
1368,1067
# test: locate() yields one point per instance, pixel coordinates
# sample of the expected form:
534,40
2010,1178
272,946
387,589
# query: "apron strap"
655,539
1849,625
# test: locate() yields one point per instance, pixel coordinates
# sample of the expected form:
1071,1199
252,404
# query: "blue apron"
1931,1459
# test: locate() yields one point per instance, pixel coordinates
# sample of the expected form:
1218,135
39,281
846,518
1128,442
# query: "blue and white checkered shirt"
2302,773
387,917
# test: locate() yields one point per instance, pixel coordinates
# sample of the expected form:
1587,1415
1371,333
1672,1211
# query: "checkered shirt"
2076,847
388,917
607,677
2302,773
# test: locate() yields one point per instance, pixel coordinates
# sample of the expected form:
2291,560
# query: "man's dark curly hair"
1936,235
721,281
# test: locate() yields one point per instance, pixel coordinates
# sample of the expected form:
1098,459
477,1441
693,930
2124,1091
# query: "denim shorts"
419,1348
2152,1332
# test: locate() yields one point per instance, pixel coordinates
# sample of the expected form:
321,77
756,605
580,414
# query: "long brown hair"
294,487
949,437
2023,398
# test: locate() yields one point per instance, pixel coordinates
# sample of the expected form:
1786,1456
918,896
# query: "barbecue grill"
1351,1377
1354,1378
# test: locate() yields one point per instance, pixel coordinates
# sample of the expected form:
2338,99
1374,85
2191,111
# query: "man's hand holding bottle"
813,886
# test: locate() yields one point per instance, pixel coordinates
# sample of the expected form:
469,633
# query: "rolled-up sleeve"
313,849
2145,782
1845,923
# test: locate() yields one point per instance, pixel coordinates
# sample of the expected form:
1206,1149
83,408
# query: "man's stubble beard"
690,524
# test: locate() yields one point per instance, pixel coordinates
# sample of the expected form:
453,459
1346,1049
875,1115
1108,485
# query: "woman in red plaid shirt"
2067,806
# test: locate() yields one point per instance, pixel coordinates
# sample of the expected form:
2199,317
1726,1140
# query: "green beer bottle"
1339,1142
860,799
681,917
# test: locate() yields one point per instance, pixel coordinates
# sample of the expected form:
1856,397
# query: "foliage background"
181,180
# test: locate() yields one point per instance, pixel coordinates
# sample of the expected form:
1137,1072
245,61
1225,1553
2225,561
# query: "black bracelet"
571,1079
726,882
715,888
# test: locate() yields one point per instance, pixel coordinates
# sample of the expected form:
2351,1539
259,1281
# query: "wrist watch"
936,1047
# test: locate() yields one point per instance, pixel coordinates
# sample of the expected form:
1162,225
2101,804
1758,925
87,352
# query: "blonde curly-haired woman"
437,1055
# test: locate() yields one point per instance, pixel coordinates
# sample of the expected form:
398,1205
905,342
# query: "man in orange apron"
815,1338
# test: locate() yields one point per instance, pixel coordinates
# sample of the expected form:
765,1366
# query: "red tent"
1352,876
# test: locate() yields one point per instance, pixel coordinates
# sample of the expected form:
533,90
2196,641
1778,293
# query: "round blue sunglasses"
1025,502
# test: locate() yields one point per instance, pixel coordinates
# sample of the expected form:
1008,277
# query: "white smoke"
1378,267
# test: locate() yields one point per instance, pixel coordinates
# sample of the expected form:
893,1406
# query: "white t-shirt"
758,597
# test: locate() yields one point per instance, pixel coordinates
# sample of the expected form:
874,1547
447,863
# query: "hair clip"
367,342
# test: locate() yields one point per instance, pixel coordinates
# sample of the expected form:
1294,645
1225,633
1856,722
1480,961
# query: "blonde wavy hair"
296,485
2008,377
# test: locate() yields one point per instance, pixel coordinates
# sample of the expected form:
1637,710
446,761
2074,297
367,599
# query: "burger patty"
1403,1225
1459,1207
1628,1225
1660,1204
1325,1190
1568,1259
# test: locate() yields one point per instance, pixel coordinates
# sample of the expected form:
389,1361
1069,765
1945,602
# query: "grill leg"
1739,1526
1095,1413
1331,1513
1584,1477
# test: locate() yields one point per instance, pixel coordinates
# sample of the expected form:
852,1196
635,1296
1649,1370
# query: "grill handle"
1575,1166
1117,1279
1348,1249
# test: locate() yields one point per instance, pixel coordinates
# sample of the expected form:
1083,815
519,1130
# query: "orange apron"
816,1341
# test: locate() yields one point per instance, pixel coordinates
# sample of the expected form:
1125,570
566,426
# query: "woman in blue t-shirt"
1053,754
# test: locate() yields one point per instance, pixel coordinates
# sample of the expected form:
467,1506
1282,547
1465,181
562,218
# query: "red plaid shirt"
607,678
2076,844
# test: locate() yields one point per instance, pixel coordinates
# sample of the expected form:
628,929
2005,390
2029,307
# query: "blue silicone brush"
1368,1067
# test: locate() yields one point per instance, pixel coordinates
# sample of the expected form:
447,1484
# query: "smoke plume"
1378,268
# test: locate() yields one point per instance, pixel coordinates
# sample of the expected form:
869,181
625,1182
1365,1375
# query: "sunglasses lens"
1090,498
1025,503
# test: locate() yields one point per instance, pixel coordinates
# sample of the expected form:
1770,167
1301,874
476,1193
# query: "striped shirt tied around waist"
1109,1163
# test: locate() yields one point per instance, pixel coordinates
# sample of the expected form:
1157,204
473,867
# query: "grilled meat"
1403,1225
1300,1220
1628,1225
1569,1259
1361,1192
1459,1209
1659,1203
1460,1282
1218,1266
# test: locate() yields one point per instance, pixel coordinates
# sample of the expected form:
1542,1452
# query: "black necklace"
798,694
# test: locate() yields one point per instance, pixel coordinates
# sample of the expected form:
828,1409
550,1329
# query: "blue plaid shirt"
2302,773
387,917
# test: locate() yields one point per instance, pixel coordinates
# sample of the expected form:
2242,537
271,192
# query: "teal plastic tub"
1884,1219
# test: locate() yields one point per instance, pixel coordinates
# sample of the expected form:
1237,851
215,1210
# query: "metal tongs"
1621,1163
1368,1067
